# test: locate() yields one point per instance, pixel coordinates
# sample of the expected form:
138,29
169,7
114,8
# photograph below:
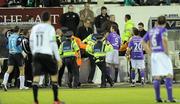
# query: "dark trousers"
73,70
105,76
61,72
93,68
28,71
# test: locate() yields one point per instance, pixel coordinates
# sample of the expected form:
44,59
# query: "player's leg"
109,62
133,72
6,77
41,80
133,75
142,73
169,85
11,63
22,78
51,68
37,71
20,62
54,79
116,72
116,64
156,83
35,85
141,65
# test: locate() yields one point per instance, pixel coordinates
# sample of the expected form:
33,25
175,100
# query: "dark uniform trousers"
93,68
61,72
73,70
105,76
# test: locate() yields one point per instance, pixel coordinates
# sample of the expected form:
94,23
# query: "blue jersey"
14,43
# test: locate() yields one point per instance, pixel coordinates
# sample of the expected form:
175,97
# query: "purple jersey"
155,37
114,40
136,48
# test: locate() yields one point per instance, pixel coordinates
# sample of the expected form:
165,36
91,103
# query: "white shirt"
43,40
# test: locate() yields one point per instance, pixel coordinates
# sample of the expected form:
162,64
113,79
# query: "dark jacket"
70,20
142,33
83,32
100,19
107,25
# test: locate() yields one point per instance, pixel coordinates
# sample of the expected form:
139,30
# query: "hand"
128,58
59,64
24,54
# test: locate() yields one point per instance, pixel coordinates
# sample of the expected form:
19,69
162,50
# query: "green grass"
87,96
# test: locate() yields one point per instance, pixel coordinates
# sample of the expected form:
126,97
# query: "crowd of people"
84,28
52,3
43,50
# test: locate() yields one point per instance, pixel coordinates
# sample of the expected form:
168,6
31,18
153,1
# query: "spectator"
113,20
107,24
86,13
127,29
85,30
70,19
100,19
142,32
130,3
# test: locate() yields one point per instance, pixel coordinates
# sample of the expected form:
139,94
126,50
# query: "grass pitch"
137,95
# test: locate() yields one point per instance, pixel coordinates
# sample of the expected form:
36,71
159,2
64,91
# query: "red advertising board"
18,15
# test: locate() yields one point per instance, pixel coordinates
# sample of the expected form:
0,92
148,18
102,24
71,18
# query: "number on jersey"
39,38
138,47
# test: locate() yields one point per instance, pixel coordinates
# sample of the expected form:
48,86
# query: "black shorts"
16,59
44,63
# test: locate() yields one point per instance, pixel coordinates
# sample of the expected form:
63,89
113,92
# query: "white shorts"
112,57
161,64
138,64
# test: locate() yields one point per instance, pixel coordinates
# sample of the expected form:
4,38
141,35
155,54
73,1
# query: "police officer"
60,38
99,50
90,40
68,50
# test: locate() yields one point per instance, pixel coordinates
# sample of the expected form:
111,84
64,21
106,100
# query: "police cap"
64,29
68,34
